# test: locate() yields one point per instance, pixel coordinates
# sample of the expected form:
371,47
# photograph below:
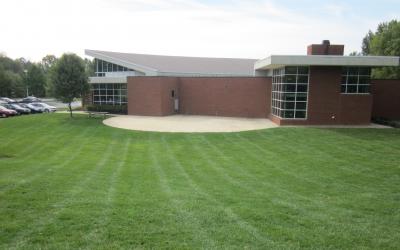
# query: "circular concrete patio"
188,123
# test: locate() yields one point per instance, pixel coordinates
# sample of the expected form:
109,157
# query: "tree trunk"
70,109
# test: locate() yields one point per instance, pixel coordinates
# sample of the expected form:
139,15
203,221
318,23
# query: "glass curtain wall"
290,92
102,67
109,93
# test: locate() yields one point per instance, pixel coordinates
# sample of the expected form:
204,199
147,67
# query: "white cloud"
251,29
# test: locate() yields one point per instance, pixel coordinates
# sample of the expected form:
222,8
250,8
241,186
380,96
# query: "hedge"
113,109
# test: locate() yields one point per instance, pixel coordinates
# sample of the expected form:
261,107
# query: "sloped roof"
178,65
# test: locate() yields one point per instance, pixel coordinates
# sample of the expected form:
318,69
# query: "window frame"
355,72
279,95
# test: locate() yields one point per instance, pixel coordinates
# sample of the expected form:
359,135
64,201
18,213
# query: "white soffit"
103,79
276,61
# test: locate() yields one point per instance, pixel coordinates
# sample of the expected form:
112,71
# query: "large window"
102,67
356,80
290,92
109,93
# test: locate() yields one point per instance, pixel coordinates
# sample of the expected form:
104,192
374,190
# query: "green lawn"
75,183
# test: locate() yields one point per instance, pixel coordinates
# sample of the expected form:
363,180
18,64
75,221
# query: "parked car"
5,112
30,99
6,99
18,108
33,109
47,108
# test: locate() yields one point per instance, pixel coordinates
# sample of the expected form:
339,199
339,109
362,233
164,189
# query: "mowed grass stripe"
275,188
23,126
57,207
107,197
53,163
243,230
165,169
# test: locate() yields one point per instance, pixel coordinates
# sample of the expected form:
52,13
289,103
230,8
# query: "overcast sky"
245,29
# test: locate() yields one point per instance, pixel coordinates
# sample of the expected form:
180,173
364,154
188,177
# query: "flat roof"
276,61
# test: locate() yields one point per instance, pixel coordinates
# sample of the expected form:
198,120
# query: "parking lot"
32,105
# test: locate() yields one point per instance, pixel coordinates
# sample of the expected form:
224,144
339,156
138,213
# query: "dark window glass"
289,97
290,70
300,114
343,88
351,88
105,66
288,105
302,88
96,98
344,70
301,105
290,79
363,88
364,80
102,92
366,71
303,70
352,80
302,97
353,71
288,114
109,92
302,79
289,87
110,67
101,66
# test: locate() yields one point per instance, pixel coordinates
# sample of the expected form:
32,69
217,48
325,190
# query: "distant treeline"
20,77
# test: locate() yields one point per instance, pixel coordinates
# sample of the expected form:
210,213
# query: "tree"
89,65
355,53
36,81
11,84
47,64
385,41
70,79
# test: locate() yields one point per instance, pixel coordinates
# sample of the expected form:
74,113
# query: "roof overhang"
276,61
146,70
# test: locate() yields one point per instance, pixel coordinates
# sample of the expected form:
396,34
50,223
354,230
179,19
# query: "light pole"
26,82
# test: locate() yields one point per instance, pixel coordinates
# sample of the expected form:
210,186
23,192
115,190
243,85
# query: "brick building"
322,87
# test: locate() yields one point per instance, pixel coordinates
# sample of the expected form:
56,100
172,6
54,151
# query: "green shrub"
113,109
387,122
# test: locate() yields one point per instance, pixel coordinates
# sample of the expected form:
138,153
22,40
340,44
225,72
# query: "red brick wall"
247,97
386,101
231,96
150,95
222,96
355,109
326,105
325,49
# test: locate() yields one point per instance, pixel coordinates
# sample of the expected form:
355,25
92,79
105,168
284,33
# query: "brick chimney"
326,48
